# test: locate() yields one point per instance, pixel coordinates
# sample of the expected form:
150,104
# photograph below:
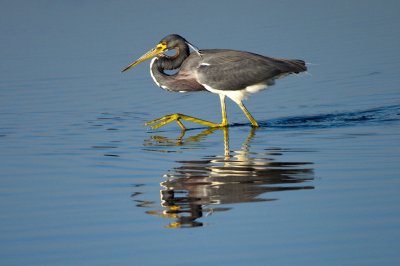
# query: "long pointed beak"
160,48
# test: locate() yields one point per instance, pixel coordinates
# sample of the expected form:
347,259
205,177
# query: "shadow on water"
196,187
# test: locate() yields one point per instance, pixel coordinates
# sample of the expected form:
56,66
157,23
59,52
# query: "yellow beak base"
160,48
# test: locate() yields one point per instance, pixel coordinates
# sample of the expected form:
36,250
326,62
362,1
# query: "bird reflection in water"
197,188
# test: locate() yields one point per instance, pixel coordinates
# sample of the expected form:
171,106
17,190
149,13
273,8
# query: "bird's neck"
159,64
173,62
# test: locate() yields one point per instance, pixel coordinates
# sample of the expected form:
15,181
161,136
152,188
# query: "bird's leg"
224,122
248,115
157,123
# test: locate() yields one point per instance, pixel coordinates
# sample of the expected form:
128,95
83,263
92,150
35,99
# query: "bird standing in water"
231,73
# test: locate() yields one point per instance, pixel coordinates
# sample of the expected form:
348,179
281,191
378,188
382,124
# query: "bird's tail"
298,66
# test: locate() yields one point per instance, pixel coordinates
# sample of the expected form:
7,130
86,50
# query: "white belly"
238,95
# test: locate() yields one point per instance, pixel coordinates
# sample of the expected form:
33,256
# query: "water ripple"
373,116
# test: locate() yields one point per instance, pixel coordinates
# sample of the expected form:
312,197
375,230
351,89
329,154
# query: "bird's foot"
157,123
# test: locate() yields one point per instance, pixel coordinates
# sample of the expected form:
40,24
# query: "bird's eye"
162,46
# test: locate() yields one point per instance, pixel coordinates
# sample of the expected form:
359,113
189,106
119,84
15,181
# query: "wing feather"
236,70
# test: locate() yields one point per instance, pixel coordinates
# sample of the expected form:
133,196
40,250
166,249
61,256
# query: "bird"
228,73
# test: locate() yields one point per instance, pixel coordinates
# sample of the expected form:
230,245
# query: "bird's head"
170,42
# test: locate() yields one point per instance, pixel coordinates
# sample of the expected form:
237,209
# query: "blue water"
84,182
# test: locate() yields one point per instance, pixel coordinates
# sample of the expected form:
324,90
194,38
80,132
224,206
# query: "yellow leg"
224,122
157,123
248,115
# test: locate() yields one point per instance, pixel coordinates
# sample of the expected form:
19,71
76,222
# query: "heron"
228,73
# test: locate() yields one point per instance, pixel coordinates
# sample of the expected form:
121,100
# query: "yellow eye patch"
162,46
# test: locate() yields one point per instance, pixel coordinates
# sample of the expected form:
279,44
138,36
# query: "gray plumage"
220,69
230,73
